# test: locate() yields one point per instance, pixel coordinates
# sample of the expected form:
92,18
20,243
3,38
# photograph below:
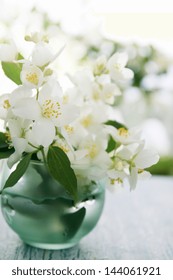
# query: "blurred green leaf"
111,145
12,70
163,167
115,124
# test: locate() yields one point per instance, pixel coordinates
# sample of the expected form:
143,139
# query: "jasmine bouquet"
74,132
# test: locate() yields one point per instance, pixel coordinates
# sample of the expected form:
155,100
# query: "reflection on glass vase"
39,210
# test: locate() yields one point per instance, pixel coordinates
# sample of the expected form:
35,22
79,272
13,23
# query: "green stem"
37,94
44,156
33,146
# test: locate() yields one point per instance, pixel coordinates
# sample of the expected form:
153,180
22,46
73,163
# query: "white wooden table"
134,225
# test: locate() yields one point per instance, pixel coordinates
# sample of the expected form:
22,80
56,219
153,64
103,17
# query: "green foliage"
3,141
111,145
163,167
5,153
60,169
115,124
12,70
18,172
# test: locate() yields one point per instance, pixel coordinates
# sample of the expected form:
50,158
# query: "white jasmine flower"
49,106
31,76
138,158
105,93
125,136
116,66
53,107
94,162
91,117
99,66
109,92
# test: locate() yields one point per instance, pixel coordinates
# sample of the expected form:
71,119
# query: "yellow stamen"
117,180
140,171
51,109
96,95
119,166
87,121
99,69
69,129
123,132
32,77
65,99
118,67
92,151
8,136
108,94
6,104
64,148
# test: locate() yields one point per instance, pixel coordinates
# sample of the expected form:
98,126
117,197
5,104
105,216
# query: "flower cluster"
71,131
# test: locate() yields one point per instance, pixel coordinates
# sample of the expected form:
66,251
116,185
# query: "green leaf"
3,140
73,221
60,169
12,70
18,172
111,145
5,153
115,124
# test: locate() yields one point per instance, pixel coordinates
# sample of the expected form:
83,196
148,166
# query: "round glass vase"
41,212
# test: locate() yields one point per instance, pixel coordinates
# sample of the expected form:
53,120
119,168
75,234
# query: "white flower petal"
4,105
133,178
41,54
20,93
42,133
145,175
19,144
127,74
50,90
27,108
146,158
118,59
15,157
68,114
15,128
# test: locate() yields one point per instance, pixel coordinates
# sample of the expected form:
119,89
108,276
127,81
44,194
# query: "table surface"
134,225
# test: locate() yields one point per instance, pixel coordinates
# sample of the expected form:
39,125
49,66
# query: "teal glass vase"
41,212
